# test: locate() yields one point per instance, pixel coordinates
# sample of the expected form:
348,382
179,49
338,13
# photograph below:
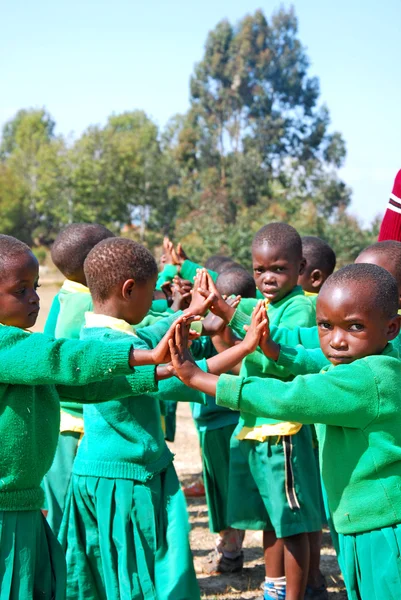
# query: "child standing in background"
320,264
68,253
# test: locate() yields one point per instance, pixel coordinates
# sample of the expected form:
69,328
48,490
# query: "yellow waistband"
261,433
70,423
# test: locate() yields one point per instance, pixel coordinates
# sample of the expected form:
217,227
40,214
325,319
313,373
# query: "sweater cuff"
143,380
287,357
115,359
228,392
188,270
238,321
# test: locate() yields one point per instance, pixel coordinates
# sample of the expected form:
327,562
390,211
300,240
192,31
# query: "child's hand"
219,306
201,300
181,358
181,294
161,354
170,257
258,327
212,325
180,254
269,348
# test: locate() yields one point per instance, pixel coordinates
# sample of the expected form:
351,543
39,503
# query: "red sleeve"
390,228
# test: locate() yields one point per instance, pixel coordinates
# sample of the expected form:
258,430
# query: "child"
68,252
355,402
274,482
125,526
320,263
32,564
215,428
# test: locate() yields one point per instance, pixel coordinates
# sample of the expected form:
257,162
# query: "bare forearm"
226,361
204,382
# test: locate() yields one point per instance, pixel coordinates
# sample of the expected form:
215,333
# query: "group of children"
291,416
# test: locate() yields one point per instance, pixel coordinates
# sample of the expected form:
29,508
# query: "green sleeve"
50,325
189,268
298,314
301,361
37,359
174,390
142,381
247,305
153,334
167,274
330,398
202,348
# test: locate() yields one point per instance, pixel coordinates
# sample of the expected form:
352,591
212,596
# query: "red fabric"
390,228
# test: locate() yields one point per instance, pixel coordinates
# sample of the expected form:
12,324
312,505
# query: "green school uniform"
125,526
167,274
356,408
51,321
74,300
215,425
31,561
272,466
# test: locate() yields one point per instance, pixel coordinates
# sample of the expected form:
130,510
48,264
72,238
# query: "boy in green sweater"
320,262
125,526
355,403
36,371
272,466
68,253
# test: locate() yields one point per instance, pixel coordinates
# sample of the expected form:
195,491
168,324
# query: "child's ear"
127,289
393,328
316,278
302,266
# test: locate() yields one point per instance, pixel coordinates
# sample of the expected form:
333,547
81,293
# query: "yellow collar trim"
310,293
95,320
74,287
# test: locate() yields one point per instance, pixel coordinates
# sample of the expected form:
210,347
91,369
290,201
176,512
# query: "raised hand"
181,294
202,298
161,354
181,358
180,254
258,328
168,252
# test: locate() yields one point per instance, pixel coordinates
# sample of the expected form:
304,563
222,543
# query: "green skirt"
55,483
125,539
371,563
215,445
32,563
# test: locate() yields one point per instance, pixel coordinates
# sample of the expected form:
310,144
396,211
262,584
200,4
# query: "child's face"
275,272
349,326
137,300
311,280
379,259
19,302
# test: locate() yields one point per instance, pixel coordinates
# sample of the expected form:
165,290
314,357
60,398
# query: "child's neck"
109,309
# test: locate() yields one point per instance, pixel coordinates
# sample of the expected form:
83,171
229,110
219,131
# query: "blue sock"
275,588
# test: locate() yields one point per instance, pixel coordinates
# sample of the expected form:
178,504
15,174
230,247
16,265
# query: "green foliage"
254,146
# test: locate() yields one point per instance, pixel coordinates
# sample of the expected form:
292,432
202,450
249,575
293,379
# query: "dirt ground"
188,465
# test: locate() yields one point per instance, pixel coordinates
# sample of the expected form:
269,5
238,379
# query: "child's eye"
279,269
324,325
21,291
356,327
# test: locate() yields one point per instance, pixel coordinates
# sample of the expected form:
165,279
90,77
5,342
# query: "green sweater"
123,438
294,309
36,370
357,408
167,274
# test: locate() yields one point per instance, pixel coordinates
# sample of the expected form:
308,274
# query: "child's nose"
338,340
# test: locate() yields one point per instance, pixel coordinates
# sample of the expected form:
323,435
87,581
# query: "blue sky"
83,60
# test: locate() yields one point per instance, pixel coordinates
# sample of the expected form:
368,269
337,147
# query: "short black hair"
73,244
113,261
213,262
282,235
318,254
237,282
379,286
391,251
228,265
11,248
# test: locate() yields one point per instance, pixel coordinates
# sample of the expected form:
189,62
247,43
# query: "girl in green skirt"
125,526
35,371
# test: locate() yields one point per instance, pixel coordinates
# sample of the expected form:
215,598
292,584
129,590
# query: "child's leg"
287,557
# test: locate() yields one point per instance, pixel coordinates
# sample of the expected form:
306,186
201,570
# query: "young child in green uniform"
215,427
36,371
125,526
320,264
355,402
274,482
68,252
